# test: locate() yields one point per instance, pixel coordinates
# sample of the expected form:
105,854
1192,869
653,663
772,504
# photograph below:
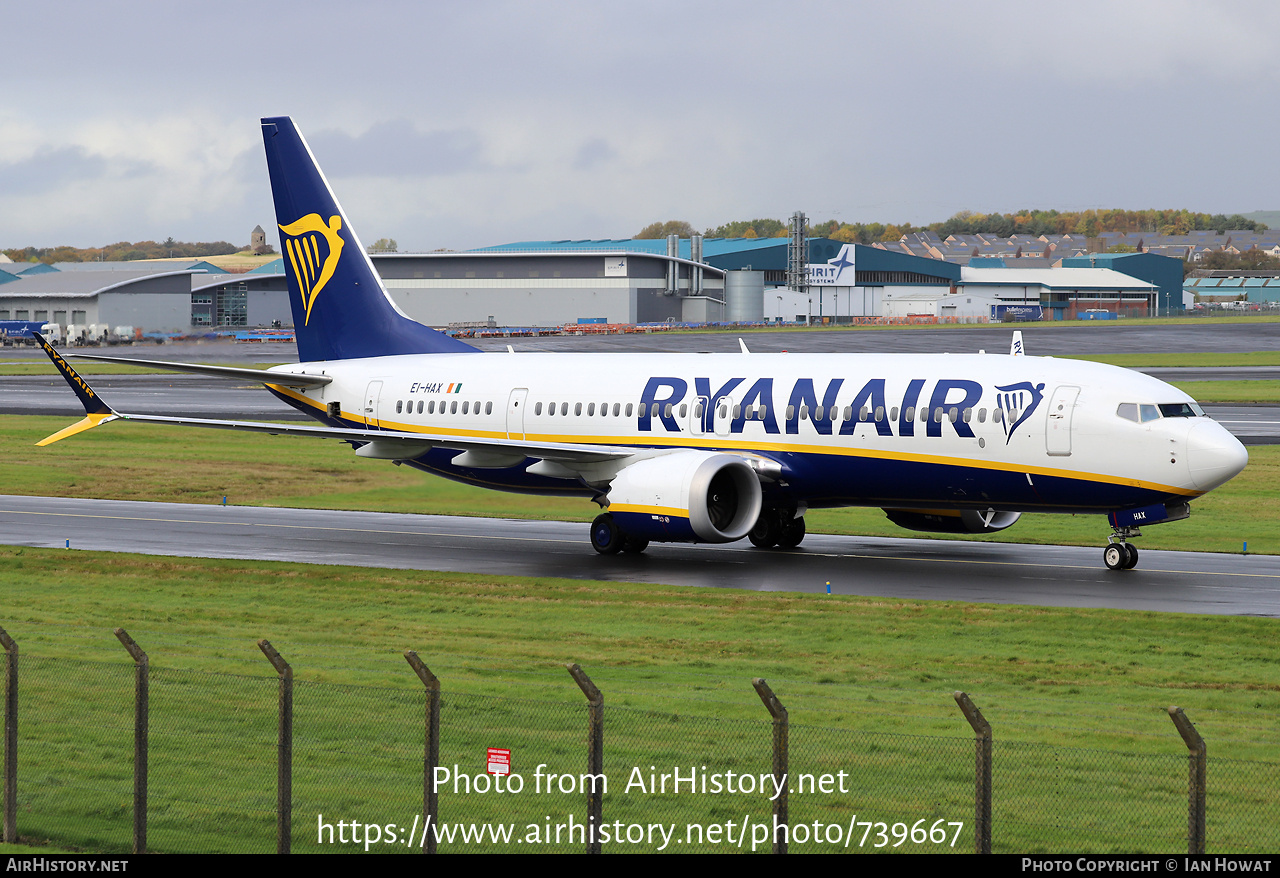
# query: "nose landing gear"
1119,554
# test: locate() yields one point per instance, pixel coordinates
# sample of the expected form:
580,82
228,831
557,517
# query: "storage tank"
744,296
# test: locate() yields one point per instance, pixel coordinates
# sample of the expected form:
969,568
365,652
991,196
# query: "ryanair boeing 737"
712,447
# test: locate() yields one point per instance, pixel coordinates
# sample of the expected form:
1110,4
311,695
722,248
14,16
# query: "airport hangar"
553,283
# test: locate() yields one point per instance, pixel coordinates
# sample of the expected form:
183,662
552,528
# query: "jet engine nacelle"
953,521
686,496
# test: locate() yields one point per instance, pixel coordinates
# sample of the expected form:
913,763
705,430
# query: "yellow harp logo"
313,249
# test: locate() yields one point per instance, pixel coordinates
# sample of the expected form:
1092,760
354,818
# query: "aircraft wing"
381,444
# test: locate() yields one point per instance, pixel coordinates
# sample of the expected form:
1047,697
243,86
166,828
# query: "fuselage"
953,431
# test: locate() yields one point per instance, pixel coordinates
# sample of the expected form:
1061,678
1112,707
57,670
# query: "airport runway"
1060,576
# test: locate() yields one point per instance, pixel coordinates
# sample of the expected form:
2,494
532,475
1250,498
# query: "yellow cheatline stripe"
88,423
661,441
649,510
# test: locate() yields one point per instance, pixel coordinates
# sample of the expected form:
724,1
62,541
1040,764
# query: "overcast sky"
466,124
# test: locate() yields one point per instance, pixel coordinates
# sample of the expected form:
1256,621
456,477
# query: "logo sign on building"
615,266
838,272
499,761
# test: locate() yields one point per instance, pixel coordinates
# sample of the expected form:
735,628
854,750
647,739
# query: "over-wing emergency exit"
714,447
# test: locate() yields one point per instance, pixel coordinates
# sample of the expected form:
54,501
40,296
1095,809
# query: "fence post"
982,773
781,754
284,758
10,738
595,755
1197,773
431,750
141,707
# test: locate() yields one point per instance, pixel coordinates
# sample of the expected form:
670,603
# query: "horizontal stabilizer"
284,379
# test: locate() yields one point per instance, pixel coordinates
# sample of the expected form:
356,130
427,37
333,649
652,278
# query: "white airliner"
713,447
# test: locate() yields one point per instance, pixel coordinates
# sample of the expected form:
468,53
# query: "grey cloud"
396,149
592,153
51,168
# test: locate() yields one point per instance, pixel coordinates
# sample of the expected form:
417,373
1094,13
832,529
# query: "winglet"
1015,347
95,410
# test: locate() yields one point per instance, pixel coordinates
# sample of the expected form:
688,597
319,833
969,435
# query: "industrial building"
621,281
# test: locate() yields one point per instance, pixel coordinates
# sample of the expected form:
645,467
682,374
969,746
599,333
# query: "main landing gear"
608,539
1121,555
777,527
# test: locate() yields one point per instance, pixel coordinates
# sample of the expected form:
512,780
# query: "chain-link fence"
360,760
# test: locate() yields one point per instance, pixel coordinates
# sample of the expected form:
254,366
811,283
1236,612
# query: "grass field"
1086,756
153,462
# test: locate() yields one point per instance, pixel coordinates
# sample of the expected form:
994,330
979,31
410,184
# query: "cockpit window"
1138,413
1181,410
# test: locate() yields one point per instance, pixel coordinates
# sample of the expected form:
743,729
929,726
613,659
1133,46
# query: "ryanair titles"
731,404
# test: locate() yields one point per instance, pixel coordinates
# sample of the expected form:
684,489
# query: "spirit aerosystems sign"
837,272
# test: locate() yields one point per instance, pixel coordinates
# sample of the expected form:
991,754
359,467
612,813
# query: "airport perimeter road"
904,568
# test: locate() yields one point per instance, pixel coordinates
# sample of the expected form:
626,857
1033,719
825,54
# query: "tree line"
1087,223
125,251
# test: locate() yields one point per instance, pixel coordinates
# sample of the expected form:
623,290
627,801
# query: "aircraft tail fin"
96,412
1015,347
340,308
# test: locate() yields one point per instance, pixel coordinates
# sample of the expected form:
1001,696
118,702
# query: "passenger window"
399,405
431,407
488,408
419,406
804,413
616,407
848,412
683,409
667,411
924,414
864,414
967,415
997,415
893,414
465,404
577,409
737,412
723,412
628,410
764,410
564,409
909,414
982,416
654,413
879,413
453,409
791,412
537,408
954,414
591,409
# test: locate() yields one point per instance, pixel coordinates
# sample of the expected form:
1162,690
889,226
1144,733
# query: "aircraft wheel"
634,545
791,534
1131,559
606,536
766,529
1116,556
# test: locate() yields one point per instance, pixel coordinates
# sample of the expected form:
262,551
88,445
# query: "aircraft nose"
1214,455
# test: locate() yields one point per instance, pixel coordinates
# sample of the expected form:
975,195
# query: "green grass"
1190,359
153,462
867,682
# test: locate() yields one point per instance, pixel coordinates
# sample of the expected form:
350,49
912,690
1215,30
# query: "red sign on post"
499,761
